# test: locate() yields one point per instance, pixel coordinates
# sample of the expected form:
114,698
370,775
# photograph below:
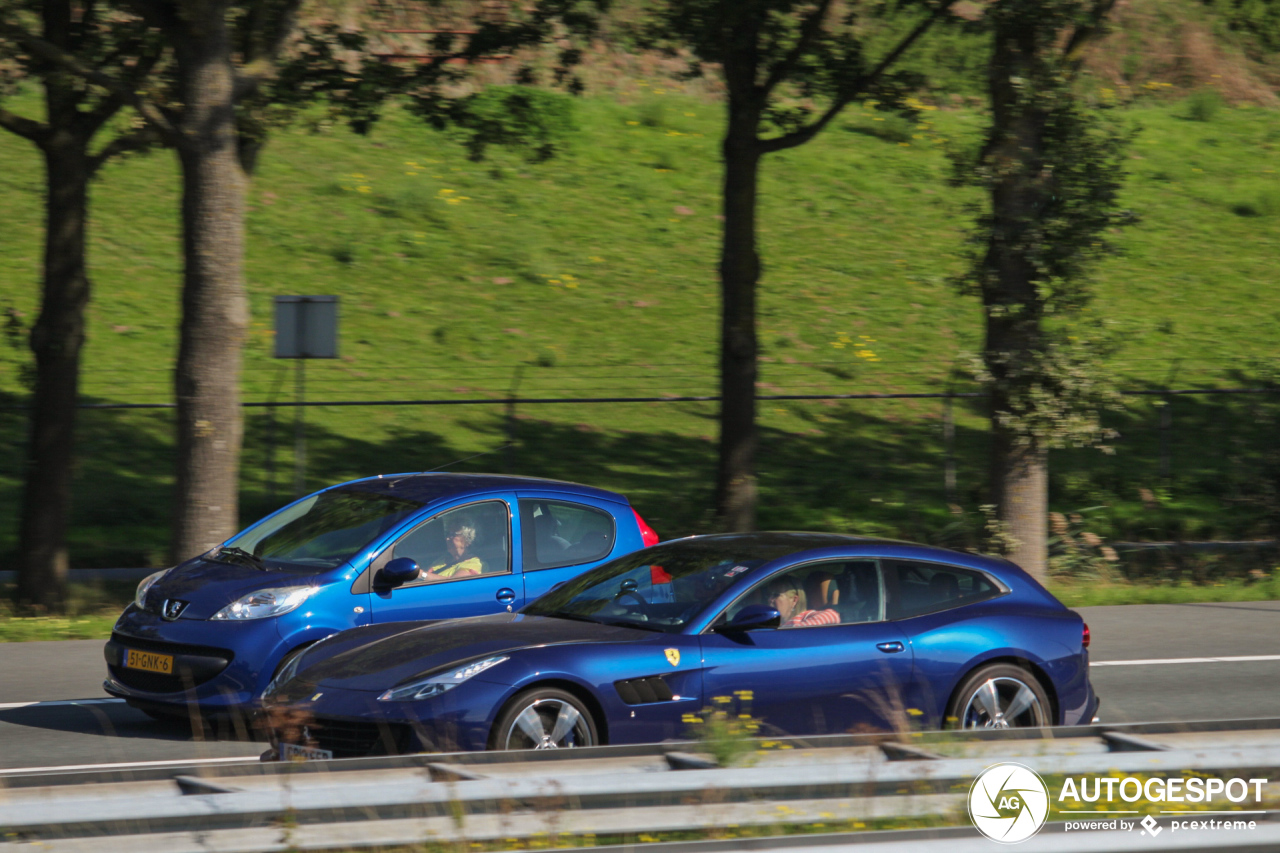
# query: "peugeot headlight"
266,602
439,683
140,597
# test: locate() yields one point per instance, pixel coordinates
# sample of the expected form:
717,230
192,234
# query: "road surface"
1151,662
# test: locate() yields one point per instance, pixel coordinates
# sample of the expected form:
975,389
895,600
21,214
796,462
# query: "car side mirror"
751,617
400,570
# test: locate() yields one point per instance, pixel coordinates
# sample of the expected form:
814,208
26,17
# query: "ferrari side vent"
638,691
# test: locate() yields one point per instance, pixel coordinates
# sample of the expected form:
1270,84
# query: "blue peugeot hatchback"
213,630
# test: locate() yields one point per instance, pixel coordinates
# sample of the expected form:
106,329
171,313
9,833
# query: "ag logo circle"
1008,803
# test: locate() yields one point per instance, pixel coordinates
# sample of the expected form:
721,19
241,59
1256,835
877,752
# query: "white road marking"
1258,811
1154,661
126,765
53,704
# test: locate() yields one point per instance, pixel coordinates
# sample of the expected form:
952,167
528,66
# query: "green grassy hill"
594,275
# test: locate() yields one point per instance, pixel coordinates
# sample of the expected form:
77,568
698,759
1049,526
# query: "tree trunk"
1014,307
1019,462
1022,482
56,340
215,312
739,273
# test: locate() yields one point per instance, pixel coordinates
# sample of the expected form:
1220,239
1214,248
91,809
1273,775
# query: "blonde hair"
466,530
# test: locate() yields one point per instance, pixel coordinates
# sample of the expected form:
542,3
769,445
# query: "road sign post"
306,327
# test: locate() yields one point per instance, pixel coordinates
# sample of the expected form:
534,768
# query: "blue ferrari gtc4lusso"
809,633
213,631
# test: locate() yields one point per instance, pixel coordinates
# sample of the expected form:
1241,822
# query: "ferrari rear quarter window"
918,588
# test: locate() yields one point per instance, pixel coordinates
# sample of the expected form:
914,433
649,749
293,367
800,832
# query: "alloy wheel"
548,724
1002,703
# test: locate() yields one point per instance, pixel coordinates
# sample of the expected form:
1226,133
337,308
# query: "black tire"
288,657
544,709
986,697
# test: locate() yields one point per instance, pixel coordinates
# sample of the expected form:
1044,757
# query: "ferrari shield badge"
673,656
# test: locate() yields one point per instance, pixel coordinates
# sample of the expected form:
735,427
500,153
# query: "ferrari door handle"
890,648
506,595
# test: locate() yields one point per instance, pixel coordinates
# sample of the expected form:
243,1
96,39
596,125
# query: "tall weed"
1203,105
728,736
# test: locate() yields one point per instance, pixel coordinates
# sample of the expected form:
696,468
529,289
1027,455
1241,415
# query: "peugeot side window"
461,543
562,533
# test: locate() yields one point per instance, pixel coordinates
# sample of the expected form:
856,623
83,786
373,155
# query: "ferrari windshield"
661,588
322,531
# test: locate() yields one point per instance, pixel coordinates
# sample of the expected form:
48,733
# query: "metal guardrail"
1266,839
489,797
18,777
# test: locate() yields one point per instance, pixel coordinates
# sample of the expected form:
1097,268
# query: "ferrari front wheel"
544,718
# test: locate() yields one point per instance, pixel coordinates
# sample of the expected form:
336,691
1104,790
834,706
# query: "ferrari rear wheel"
544,718
1000,696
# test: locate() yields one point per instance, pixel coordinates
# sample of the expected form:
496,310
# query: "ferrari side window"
857,592
814,595
918,588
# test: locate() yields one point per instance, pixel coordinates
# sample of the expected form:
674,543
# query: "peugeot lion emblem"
172,609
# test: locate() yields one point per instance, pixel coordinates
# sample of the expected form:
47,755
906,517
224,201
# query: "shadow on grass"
842,469
1185,467
121,490
857,467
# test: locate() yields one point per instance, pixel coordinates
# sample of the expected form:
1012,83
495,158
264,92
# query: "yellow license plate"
149,661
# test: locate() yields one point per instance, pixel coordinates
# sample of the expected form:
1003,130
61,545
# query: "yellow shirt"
461,569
